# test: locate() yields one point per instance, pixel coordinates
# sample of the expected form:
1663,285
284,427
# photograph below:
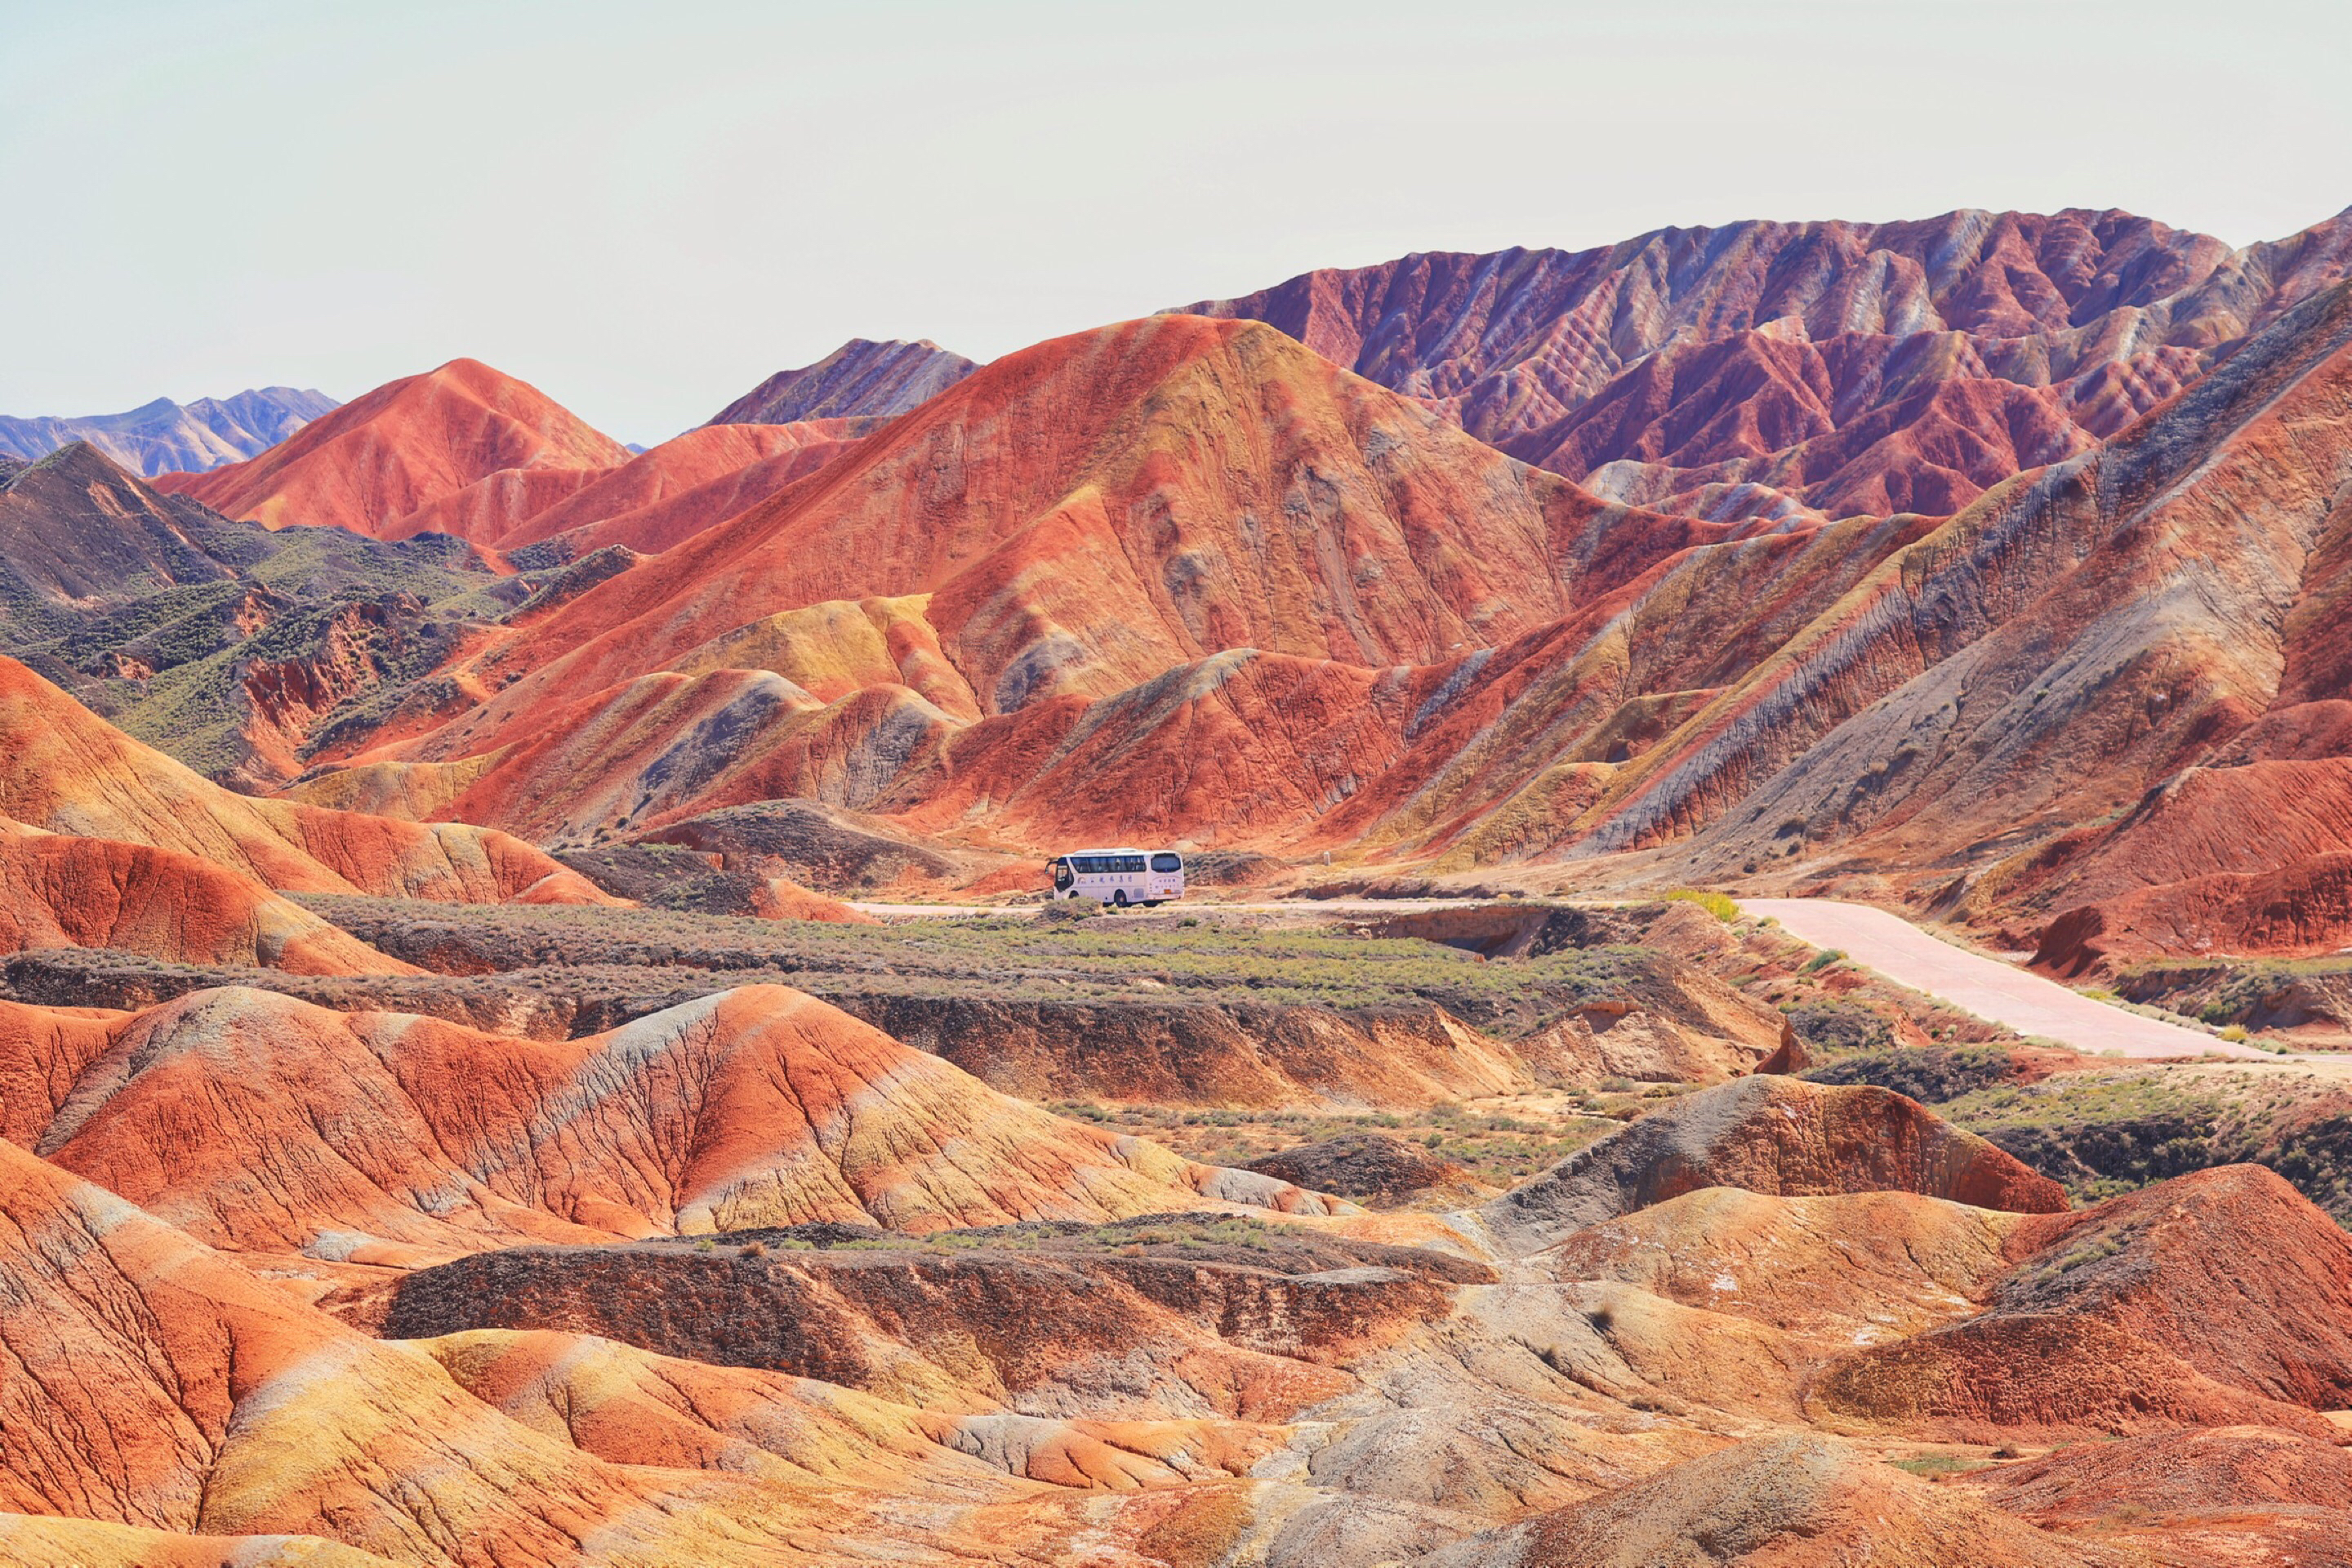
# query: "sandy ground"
1986,987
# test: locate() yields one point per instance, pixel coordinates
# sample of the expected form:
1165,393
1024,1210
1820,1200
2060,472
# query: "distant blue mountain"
165,437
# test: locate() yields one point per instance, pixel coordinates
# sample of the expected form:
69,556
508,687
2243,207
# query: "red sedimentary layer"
675,490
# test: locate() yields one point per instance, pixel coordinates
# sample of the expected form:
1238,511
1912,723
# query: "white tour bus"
1119,876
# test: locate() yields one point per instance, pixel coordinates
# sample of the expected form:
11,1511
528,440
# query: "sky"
644,209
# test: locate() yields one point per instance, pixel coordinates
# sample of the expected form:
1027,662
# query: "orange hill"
398,1140
677,489
1207,488
62,891
461,449
64,770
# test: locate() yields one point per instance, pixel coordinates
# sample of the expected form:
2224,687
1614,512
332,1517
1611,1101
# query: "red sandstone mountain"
1766,369
957,584
467,451
462,449
2084,643
1245,598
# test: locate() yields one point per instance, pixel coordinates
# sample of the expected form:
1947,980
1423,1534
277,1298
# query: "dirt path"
1303,910
1986,987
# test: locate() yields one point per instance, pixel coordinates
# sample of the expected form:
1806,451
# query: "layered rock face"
58,890
1782,370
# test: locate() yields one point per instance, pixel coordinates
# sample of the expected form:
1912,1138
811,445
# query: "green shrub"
1719,905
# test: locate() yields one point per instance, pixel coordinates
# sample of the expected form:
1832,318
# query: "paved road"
1986,987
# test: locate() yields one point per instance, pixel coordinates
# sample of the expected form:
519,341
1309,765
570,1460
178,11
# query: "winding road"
1986,987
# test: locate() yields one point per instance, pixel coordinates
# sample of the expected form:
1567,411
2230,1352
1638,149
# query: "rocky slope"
58,890
861,379
1776,1135
164,436
1782,370
237,649
1780,1500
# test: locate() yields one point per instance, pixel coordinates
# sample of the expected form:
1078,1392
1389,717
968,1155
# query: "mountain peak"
863,377
375,463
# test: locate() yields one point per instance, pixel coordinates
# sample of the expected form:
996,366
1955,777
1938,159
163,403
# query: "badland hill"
1784,369
449,1117
472,1288
1249,601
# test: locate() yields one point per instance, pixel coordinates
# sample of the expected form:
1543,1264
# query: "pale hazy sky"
646,209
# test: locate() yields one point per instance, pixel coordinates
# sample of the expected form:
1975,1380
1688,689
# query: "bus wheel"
1119,898
1151,903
